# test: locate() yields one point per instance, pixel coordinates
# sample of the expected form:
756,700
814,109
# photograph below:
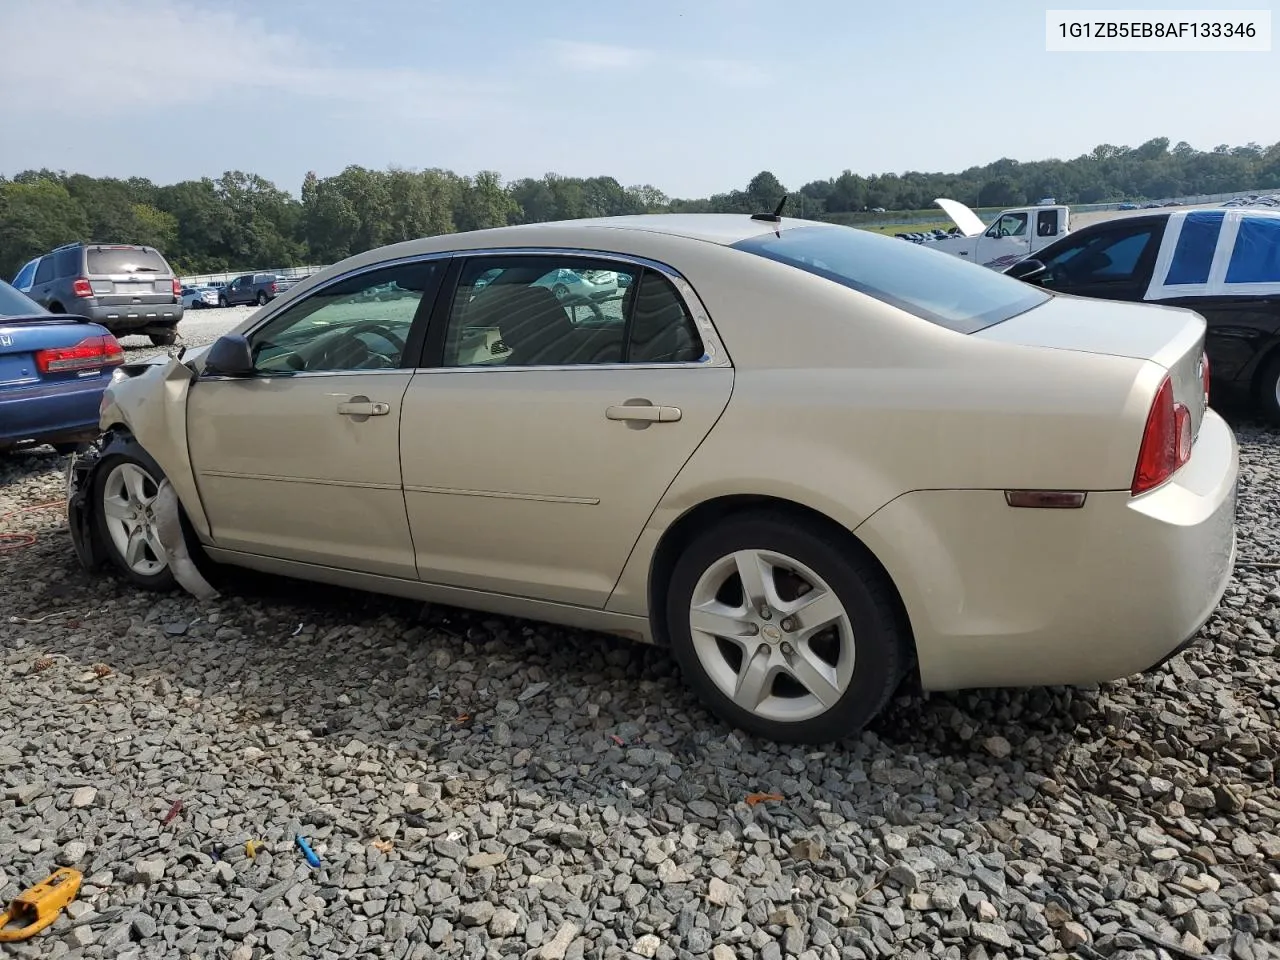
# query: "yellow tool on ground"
251,848
38,907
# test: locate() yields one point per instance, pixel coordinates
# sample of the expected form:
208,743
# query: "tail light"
88,353
82,288
1166,441
272,288
1204,376
177,287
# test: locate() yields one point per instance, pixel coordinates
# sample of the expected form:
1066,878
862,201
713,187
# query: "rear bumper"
133,316
999,596
60,412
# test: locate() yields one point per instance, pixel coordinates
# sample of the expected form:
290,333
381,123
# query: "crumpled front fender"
82,471
153,407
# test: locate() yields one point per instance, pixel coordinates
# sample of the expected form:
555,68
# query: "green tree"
36,215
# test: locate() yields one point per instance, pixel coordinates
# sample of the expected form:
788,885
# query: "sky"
693,97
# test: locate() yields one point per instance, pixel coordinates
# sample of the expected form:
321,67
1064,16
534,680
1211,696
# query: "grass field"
889,229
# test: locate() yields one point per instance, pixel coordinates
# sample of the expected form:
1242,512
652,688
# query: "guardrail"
890,219
215,279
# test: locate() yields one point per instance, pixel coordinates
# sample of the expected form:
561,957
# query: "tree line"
242,220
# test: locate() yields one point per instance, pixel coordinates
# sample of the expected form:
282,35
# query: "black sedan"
1223,264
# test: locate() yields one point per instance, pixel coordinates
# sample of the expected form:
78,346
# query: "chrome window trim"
712,344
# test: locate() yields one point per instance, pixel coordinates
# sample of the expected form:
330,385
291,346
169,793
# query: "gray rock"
503,923
72,853
477,914
83,797
148,871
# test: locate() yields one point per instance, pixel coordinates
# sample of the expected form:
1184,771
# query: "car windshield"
928,284
16,304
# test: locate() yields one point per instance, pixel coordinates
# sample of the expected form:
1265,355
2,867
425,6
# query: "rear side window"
44,272
108,260
1255,258
1193,256
934,286
67,262
15,304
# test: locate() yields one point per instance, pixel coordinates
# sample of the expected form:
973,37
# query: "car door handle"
363,407
646,411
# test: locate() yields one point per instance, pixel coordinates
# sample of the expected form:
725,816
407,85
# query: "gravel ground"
195,328
477,787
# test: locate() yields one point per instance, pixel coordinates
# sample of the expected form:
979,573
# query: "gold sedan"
811,460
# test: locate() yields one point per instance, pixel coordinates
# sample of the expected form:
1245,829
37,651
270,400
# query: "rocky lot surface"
480,788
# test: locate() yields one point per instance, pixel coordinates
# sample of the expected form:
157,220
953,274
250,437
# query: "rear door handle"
646,412
362,407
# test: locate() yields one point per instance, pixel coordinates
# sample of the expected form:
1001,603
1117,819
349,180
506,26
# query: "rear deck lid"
1172,337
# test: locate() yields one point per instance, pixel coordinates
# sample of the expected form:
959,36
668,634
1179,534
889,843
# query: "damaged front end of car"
81,470
159,421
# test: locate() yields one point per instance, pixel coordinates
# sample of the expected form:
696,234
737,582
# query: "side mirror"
1028,270
230,356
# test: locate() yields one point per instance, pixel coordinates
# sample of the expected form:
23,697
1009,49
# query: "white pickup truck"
1014,234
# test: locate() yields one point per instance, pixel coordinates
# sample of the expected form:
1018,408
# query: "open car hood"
970,223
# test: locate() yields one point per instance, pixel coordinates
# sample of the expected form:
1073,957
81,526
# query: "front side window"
539,311
928,284
341,328
1110,256
1010,225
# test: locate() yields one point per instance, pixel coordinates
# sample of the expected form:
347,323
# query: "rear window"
127,260
1255,258
15,304
933,286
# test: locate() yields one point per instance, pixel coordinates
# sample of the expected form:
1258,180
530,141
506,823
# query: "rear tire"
262,298
1268,395
165,338
123,490
825,660
66,449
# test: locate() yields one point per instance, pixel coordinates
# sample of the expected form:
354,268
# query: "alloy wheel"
128,498
772,635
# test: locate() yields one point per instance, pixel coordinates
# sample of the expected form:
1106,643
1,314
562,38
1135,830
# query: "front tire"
223,302
124,490
809,652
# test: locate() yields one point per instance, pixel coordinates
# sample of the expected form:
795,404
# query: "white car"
581,286
199,298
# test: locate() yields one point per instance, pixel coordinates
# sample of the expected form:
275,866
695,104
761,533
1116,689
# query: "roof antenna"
776,216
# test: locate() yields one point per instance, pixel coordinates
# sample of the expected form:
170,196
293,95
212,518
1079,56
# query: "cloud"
601,57
185,58
591,57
